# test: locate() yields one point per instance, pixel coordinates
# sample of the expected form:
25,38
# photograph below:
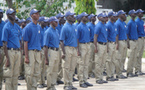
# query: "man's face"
85,19
140,14
61,20
106,19
1,15
133,15
123,17
103,19
93,19
43,24
35,16
23,24
113,18
71,18
54,23
11,17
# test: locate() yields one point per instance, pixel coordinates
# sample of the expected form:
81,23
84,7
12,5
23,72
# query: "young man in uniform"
51,51
100,41
68,40
141,34
32,47
11,37
2,23
83,37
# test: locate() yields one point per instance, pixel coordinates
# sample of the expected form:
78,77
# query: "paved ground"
135,83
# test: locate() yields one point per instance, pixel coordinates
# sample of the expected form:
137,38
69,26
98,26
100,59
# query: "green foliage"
48,7
87,6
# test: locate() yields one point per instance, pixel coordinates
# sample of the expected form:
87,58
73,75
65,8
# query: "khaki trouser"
22,69
69,64
92,56
60,71
1,66
52,68
32,70
138,66
110,66
12,82
100,61
84,62
132,56
123,52
42,69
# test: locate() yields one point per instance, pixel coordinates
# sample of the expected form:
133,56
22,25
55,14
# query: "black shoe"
104,81
74,79
110,79
123,70
88,84
130,75
139,73
104,73
121,77
44,85
73,88
92,76
83,85
21,77
60,82
99,82
40,86
67,88
115,79
19,84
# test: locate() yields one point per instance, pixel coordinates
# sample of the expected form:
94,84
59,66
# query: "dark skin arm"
6,54
95,42
46,55
79,53
117,47
128,45
63,50
26,52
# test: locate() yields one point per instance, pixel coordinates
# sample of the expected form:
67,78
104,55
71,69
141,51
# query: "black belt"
35,50
132,40
55,49
85,43
102,43
122,40
92,42
1,46
112,42
14,49
140,37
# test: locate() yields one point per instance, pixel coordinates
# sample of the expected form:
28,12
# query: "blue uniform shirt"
32,34
132,30
101,31
42,35
1,28
91,26
59,27
11,34
140,27
112,31
122,29
51,38
68,35
83,33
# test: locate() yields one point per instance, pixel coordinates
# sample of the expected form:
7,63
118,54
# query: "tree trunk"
9,3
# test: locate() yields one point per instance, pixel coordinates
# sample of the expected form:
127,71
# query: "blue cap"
16,18
116,14
59,15
69,13
83,14
22,20
1,10
132,12
106,15
34,11
46,19
78,17
111,14
101,15
29,19
10,11
121,12
139,11
53,18
41,19
90,16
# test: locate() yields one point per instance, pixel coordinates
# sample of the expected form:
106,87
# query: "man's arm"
79,53
117,43
63,50
95,42
46,55
6,54
26,52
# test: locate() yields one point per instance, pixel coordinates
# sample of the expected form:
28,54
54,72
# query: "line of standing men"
109,40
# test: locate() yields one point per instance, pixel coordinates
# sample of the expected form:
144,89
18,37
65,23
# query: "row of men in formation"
53,48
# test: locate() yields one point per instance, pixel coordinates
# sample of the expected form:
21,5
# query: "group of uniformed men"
42,47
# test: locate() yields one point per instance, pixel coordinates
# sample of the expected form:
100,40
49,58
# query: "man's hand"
79,53
117,47
26,60
46,62
96,50
7,62
63,56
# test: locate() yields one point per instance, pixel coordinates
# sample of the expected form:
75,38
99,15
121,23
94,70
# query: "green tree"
87,6
48,7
